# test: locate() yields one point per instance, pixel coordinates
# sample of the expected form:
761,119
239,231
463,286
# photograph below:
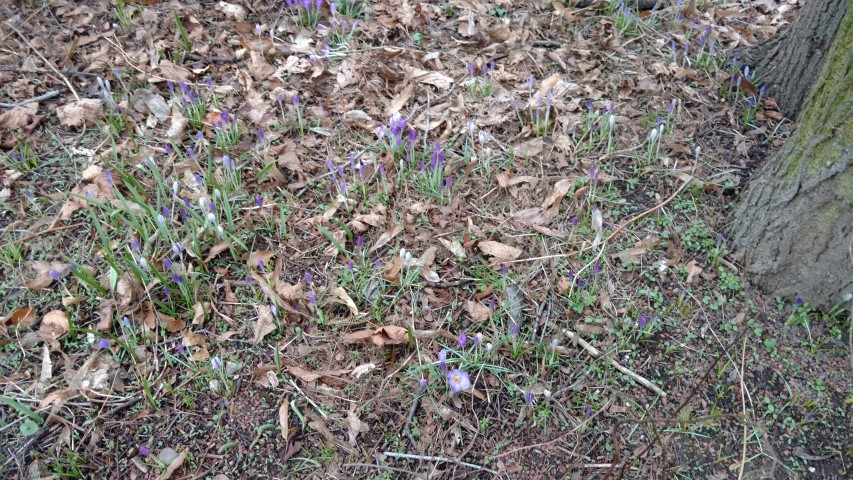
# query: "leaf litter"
351,260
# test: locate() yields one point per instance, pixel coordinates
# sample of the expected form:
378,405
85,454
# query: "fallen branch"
574,337
428,458
50,94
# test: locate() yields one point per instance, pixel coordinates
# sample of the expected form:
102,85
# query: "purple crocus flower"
359,241
528,398
643,321
261,133
458,380
170,86
312,299
308,277
167,264
216,363
377,263
296,100
104,343
259,201
422,383
167,292
462,340
144,450
176,247
177,278
166,212
442,359
109,176
350,266
225,117
54,275
514,329
274,310
134,244
597,269
191,152
798,302
182,349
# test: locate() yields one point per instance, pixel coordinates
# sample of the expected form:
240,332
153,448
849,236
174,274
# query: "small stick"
428,458
63,77
597,353
50,94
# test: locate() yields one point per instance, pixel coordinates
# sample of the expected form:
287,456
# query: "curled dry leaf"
152,316
363,369
344,296
174,465
283,418
386,237
45,273
77,113
264,324
454,246
692,271
53,325
499,250
310,375
356,426
24,317
382,336
145,100
24,116
477,311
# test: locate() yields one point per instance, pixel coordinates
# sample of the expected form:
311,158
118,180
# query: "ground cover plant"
350,239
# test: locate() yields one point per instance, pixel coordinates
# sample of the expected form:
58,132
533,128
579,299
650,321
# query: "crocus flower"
54,275
442,359
177,278
182,349
167,264
167,292
528,398
176,247
312,299
144,450
104,344
259,201
643,321
458,380
359,241
191,152
216,363
422,383
296,100
462,340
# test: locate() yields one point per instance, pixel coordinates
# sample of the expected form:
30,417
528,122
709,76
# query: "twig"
50,94
555,440
428,458
597,353
743,404
55,70
615,232
386,467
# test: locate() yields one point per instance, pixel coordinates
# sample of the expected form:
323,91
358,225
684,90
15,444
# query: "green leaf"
113,279
29,427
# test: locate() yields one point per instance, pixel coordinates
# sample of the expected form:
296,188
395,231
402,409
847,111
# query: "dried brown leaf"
477,311
386,237
499,250
264,324
77,113
283,418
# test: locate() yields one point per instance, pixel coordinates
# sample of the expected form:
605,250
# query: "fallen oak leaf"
382,336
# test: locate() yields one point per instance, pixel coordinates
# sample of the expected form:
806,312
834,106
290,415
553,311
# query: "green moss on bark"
825,127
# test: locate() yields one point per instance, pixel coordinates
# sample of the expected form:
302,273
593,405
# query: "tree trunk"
794,223
789,63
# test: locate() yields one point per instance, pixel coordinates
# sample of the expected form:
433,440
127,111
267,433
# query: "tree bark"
794,222
789,63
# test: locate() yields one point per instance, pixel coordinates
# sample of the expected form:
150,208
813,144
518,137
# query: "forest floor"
454,239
